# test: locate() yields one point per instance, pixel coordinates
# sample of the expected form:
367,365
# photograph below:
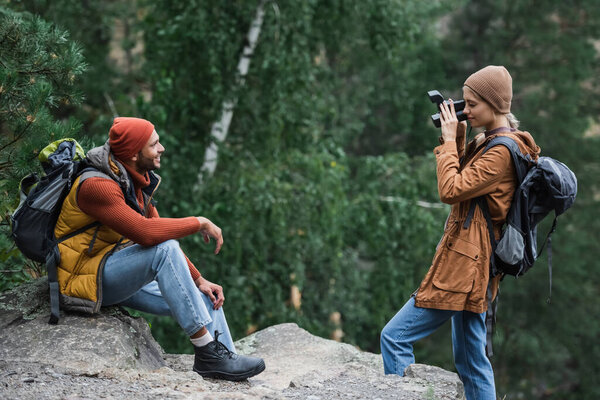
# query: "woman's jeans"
413,323
157,280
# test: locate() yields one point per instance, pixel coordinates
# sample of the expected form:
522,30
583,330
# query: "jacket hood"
102,159
527,140
524,139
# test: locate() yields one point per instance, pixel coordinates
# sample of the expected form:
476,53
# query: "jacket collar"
502,129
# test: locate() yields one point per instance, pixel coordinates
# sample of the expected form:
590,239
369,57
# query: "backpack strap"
52,258
91,172
520,162
483,205
549,251
52,261
53,255
490,318
521,167
492,304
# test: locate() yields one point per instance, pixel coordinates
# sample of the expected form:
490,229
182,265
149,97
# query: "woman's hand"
449,122
212,290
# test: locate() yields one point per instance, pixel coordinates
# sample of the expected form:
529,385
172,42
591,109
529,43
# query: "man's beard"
144,163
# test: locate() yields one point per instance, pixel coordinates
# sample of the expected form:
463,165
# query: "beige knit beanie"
493,84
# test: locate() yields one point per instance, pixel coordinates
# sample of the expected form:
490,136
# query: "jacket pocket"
456,272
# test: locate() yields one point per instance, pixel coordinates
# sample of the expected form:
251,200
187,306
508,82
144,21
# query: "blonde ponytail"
512,120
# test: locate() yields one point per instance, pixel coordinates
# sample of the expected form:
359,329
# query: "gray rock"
112,355
301,365
444,382
88,344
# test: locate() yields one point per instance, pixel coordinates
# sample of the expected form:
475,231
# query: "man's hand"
210,230
212,290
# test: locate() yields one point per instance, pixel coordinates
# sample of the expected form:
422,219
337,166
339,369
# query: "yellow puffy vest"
79,276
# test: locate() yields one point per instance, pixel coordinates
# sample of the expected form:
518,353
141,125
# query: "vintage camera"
437,98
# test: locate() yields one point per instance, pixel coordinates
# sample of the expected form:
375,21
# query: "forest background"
325,186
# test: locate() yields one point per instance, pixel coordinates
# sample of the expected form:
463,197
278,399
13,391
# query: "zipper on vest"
147,205
99,275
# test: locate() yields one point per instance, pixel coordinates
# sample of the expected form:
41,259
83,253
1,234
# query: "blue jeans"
157,280
413,323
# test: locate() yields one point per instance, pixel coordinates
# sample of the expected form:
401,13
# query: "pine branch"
17,137
43,71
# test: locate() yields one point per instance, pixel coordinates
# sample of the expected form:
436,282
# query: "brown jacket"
458,277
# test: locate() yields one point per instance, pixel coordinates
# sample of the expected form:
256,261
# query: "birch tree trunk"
219,129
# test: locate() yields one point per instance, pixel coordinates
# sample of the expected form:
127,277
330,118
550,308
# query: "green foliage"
322,186
301,221
295,208
38,68
12,272
192,49
284,225
395,236
111,45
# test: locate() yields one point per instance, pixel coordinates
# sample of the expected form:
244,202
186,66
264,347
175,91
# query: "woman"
457,284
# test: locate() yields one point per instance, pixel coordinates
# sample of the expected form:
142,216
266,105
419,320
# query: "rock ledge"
113,355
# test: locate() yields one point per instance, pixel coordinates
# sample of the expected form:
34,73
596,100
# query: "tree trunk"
219,129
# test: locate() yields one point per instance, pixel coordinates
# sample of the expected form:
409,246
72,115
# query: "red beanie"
128,136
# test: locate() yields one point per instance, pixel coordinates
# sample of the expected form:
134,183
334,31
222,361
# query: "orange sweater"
104,200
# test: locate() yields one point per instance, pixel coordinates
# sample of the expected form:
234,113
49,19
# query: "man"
132,258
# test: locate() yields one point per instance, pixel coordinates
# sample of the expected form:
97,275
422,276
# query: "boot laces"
221,348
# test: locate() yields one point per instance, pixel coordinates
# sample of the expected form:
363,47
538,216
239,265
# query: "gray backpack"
544,186
33,222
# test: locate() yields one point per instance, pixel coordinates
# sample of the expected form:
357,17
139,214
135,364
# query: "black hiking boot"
215,360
